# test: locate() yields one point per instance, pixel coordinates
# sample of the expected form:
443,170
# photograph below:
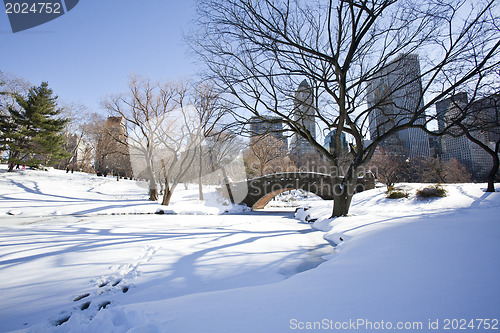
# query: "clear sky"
90,51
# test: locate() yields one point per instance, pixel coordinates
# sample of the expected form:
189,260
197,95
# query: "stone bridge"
257,192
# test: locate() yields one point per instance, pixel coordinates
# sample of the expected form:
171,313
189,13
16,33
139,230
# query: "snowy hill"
408,264
55,192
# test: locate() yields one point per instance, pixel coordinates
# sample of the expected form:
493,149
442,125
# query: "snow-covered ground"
400,265
292,198
55,192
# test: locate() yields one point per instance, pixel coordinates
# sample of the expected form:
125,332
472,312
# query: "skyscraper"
443,106
330,141
487,111
395,94
304,114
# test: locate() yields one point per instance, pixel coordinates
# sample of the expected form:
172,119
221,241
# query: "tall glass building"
394,95
329,142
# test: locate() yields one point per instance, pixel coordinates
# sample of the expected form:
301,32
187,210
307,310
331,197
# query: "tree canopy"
32,129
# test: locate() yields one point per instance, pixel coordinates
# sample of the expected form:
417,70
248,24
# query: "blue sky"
90,52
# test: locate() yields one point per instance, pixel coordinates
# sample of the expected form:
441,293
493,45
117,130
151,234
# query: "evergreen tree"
33,132
7,126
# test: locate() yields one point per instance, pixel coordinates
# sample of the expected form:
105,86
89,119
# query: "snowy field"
69,263
43,193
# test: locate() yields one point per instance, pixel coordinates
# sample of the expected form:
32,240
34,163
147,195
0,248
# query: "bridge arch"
257,192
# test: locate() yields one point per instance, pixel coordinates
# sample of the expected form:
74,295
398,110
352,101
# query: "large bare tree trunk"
168,195
342,197
341,204
493,154
153,190
200,174
492,173
228,186
153,194
169,191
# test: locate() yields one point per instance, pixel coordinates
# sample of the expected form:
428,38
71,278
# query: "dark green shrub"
435,191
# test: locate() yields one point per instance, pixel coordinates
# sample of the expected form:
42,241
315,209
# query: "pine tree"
8,128
33,133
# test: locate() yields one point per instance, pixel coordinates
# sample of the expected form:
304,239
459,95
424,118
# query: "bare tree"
224,150
263,151
76,134
144,108
164,134
258,51
435,170
283,164
388,168
209,111
180,137
10,87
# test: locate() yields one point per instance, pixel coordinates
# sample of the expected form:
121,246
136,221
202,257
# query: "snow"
404,261
55,192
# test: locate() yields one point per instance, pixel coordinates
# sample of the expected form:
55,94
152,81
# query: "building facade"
458,146
443,106
260,126
329,142
394,95
112,155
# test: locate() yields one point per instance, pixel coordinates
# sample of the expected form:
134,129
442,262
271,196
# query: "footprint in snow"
85,306
82,296
62,320
103,305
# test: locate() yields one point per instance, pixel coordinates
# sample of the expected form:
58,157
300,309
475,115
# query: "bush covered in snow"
434,191
396,193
